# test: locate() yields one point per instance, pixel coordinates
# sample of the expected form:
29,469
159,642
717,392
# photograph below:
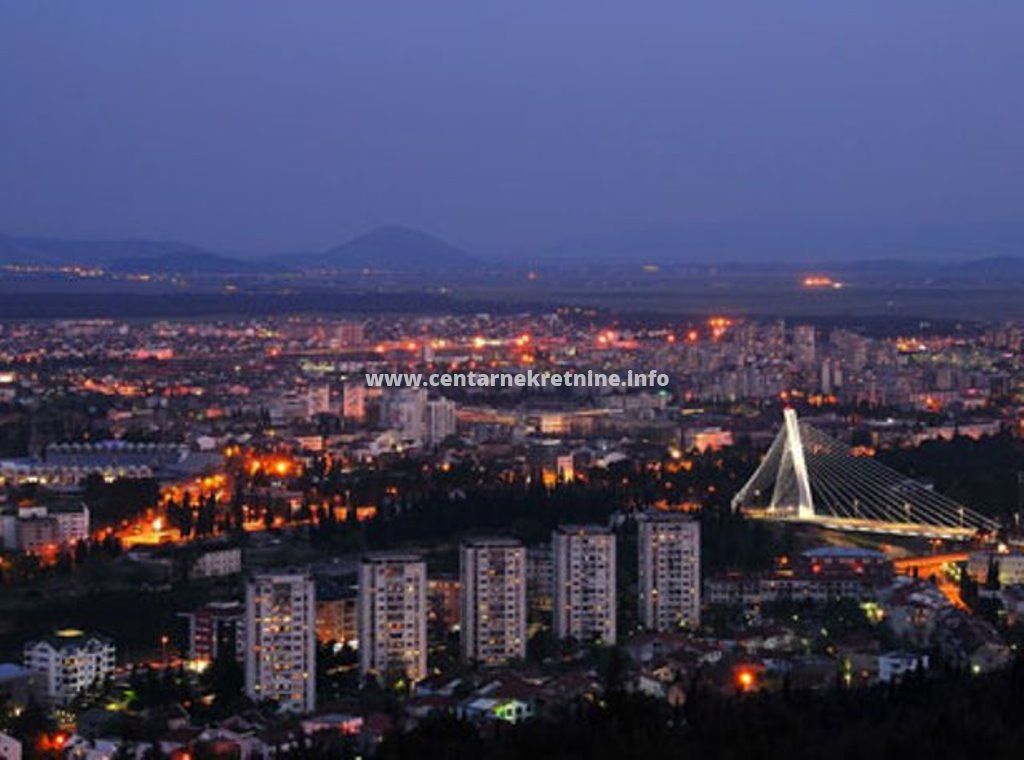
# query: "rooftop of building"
491,541
844,552
666,517
64,638
384,557
583,530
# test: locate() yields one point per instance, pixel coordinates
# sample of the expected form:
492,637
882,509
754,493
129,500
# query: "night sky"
255,127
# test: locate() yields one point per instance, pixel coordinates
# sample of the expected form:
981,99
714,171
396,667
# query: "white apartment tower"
493,600
405,410
440,420
584,604
669,579
280,630
393,615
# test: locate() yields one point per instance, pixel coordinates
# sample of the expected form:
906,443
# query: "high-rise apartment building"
280,655
669,579
804,345
393,616
584,598
493,574
353,401
440,420
404,410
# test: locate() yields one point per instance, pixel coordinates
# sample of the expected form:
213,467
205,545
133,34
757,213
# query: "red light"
745,679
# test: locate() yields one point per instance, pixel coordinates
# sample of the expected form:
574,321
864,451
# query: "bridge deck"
915,530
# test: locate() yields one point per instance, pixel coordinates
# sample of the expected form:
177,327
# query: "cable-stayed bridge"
807,476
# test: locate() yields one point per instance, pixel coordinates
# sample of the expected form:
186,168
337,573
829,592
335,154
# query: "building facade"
393,616
669,571
337,618
38,528
584,583
70,662
440,420
443,603
217,563
493,575
215,629
540,580
280,654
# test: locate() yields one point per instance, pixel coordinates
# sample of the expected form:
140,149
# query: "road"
937,565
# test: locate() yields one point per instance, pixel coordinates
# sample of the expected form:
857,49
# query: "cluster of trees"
984,474
203,518
121,499
935,715
23,568
530,512
151,687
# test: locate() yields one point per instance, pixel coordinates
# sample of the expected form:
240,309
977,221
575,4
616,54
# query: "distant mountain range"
398,249
59,252
393,249
405,250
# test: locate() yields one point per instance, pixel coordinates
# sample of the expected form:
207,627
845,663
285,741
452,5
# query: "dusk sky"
249,126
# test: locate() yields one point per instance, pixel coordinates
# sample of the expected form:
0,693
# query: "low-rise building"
1008,567
216,628
217,563
38,528
19,685
968,642
844,563
71,662
892,666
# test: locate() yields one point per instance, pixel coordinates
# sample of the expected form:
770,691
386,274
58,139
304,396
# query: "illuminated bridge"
808,477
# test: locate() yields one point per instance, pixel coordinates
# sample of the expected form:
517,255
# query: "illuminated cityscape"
290,536
389,381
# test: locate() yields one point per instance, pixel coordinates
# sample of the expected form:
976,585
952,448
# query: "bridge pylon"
807,476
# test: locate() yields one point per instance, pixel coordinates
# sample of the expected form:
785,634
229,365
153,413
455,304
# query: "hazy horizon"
738,130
